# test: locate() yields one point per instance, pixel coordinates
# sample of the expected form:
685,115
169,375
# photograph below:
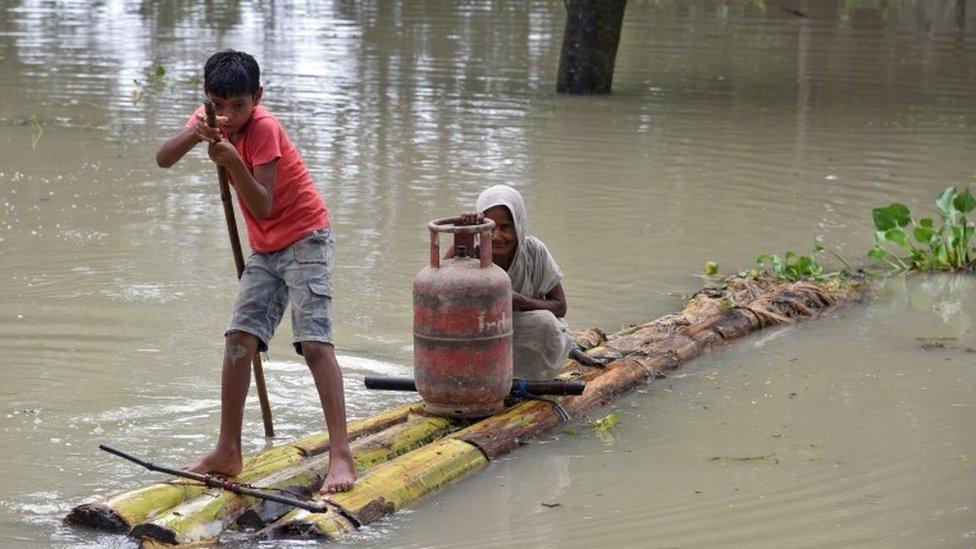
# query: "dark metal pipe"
520,387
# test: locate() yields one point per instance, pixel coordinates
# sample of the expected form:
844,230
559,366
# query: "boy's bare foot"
341,476
218,462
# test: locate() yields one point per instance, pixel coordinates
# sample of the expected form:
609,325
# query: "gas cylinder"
462,326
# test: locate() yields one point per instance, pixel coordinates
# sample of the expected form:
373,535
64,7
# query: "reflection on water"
735,128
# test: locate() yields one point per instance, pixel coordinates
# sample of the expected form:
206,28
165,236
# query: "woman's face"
504,239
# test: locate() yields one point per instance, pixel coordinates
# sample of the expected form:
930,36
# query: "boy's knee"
240,346
315,351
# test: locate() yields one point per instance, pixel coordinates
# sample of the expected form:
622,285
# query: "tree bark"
590,46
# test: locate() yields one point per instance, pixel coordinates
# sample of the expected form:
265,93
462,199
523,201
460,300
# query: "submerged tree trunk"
590,46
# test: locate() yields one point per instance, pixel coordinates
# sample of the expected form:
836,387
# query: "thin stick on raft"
235,246
219,482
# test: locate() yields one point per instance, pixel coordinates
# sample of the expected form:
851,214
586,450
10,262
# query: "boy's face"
504,239
237,109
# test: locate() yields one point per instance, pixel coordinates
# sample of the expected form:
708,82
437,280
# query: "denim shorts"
300,274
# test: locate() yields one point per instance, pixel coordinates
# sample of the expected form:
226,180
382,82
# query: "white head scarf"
533,270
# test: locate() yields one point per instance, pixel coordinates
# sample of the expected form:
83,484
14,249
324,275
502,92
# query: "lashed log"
120,512
202,519
386,489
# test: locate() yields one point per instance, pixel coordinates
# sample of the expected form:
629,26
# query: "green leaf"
944,202
965,201
898,236
953,237
895,215
882,221
959,237
924,262
968,232
606,423
926,222
817,246
804,264
160,71
924,234
710,268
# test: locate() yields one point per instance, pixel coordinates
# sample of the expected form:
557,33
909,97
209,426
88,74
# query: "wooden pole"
235,246
589,49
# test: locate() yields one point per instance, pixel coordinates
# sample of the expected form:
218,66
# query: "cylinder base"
463,411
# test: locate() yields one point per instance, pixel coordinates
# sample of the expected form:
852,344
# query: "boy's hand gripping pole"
235,245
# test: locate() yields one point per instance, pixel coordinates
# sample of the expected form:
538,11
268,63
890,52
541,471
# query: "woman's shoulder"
534,245
538,255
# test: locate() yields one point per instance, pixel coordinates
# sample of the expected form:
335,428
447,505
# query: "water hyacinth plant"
950,246
793,266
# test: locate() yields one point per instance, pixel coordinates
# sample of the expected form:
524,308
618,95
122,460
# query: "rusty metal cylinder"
462,326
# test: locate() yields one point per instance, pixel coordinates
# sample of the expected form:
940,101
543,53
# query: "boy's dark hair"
229,73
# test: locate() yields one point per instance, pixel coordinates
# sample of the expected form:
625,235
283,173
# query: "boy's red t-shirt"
297,209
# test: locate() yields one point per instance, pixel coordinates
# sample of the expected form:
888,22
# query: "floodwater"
735,128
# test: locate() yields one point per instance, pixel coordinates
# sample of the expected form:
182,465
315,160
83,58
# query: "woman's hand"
554,302
470,218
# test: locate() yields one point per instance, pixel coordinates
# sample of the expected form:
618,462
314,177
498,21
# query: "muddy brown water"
735,128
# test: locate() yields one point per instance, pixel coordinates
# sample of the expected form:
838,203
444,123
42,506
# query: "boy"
288,229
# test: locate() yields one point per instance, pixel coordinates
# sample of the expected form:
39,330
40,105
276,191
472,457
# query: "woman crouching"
540,339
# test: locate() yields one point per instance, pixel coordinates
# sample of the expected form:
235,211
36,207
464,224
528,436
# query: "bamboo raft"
402,454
